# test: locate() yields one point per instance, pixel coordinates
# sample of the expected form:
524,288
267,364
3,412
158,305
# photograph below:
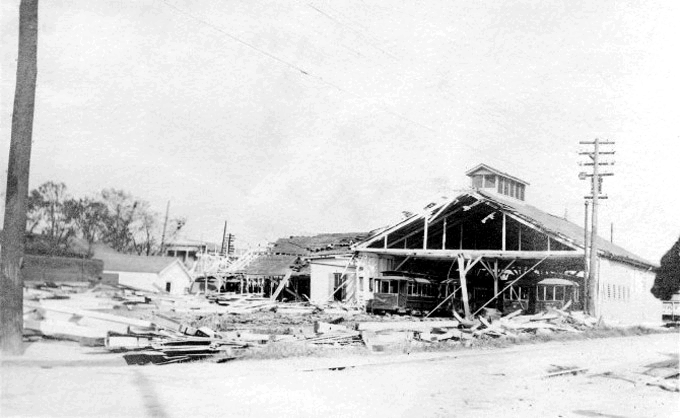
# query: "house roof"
321,244
562,227
269,265
493,170
549,224
114,261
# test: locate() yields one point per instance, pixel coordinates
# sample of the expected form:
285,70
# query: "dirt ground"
57,379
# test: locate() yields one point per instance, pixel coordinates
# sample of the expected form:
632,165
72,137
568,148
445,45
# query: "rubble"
158,328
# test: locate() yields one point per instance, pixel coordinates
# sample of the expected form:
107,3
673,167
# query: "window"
501,182
506,187
513,189
477,181
411,289
168,286
361,284
553,293
489,181
370,284
386,286
520,196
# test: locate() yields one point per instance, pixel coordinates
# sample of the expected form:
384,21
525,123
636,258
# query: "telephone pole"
596,188
223,249
165,226
12,249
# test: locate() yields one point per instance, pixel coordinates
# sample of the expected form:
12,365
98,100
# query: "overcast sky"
301,117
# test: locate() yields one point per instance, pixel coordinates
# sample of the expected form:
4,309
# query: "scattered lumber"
325,328
406,325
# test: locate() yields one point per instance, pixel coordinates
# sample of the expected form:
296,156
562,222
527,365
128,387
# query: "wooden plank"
63,329
283,283
514,314
444,234
406,325
463,285
91,314
470,254
425,231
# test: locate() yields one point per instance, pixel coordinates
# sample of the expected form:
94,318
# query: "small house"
153,274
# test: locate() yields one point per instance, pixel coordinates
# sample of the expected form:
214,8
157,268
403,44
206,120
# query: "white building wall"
321,277
179,279
624,294
141,281
369,267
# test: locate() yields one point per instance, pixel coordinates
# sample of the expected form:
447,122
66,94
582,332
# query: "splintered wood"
160,329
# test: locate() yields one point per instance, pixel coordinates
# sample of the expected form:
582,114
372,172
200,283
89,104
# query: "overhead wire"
322,80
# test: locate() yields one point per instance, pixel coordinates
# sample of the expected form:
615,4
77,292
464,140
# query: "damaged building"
486,247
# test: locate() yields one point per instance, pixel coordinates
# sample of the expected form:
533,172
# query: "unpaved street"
470,383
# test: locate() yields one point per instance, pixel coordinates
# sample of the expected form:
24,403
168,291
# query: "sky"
302,117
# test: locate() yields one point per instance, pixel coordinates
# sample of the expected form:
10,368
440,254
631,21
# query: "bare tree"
121,210
47,214
88,217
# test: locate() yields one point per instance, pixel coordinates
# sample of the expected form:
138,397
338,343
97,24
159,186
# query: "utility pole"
165,226
223,250
586,261
596,181
12,249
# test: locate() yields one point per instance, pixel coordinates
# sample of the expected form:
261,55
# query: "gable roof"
493,170
548,224
556,225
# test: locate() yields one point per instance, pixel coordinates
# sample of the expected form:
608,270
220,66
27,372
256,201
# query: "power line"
332,85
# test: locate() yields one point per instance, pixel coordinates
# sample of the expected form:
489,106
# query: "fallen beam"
406,325
95,315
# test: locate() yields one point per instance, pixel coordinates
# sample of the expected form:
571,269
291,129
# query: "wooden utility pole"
12,250
596,177
165,226
586,261
225,239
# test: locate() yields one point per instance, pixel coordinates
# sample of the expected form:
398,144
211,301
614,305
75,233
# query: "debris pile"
162,329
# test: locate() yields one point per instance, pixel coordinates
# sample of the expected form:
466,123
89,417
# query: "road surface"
468,383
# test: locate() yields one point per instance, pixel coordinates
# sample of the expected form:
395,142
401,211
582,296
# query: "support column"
519,238
444,235
496,276
425,234
463,286
503,234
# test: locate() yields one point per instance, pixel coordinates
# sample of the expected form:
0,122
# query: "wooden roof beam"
472,254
